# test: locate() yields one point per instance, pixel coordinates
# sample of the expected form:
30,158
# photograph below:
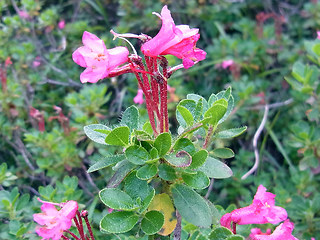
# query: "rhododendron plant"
283,231
97,59
175,40
262,210
54,222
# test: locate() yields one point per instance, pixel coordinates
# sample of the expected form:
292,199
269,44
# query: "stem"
120,70
64,237
72,234
85,216
150,112
177,230
80,230
210,132
234,228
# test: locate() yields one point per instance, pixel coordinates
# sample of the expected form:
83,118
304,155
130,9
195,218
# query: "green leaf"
199,158
119,222
200,101
212,99
148,128
192,207
136,187
167,172
117,199
118,136
130,117
186,114
184,144
223,153
181,159
106,162
197,180
298,71
235,237
146,172
121,171
146,202
220,233
215,169
316,49
152,222
137,155
97,136
163,143
231,133
188,104
216,112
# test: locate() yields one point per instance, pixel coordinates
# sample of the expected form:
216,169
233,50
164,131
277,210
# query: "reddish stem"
148,101
64,237
120,70
80,230
164,107
234,228
88,226
72,234
3,76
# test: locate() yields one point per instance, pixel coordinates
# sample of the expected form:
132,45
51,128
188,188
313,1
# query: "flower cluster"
261,211
152,71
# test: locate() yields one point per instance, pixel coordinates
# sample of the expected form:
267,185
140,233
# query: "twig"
70,83
177,230
209,188
255,143
89,178
273,105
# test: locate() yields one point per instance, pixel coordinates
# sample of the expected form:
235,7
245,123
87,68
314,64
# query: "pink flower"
35,113
55,222
227,63
24,14
97,59
262,210
179,41
318,34
138,99
61,24
283,231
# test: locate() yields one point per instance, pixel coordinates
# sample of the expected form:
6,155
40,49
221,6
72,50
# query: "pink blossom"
227,63
262,210
55,222
138,99
179,41
7,62
61,24
283,231
97,59
35,113
318,34
24,14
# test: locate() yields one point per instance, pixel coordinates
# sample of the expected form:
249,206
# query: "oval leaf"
97,136
198,180
137,155
163,143
106,162
192,207
118,136
130,117
223,153
220,233
162,202
181,159
198,159
146,172
167,172
117,199
119,222
231,133
215,169
152,222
